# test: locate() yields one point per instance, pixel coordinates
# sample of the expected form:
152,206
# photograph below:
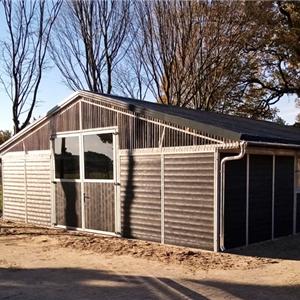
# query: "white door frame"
115,181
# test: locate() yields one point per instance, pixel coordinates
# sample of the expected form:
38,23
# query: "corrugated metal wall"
13,187
26,186
140,197
189,199
38,176
185,205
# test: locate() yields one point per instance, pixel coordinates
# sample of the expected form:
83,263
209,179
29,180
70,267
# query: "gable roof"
231,127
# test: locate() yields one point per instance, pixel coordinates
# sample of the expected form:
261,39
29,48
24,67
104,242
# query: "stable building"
143,170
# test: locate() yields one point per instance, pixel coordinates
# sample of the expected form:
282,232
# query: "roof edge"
49,113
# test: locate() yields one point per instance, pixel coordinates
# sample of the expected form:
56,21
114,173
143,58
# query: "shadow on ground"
74,283
281,248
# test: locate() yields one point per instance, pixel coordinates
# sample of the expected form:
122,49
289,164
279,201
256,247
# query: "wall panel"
189,199
13,168
38,177
140,197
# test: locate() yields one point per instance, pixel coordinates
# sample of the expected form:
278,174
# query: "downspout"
243,146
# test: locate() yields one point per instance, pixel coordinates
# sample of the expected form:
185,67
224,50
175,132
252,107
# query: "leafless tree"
132,77
89,42
194,53
29,24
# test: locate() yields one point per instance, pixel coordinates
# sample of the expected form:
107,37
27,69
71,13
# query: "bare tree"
194,53
29,24
89,42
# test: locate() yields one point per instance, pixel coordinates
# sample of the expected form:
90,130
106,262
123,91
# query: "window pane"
67,158
98,156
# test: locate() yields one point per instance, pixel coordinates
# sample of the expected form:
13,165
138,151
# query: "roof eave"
51,112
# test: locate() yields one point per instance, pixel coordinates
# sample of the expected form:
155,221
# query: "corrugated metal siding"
99,206
68,204
189,199
13,187
26,185
38,177
140,197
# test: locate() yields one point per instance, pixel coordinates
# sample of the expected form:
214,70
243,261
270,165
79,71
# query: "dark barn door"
235,203
68,204
284,196
260,197
99,187
99,206
264,207
85,180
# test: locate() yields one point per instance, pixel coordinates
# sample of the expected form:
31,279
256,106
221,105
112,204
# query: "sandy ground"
44,264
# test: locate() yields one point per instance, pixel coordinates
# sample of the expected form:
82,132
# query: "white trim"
88,230
247,198
162,137
12,155
52,183
98,180
99,130
81,174
66,180
216,200
181,150
117,169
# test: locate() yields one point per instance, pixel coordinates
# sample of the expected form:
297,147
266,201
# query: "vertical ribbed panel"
284,196
38,176
189,199
140,197
99,206
13,186
260,197
68,204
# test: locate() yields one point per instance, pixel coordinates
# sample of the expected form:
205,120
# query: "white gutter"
243,146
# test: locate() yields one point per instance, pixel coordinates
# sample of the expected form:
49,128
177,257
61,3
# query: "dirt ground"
44,264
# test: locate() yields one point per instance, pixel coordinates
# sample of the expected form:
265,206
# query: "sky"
53,91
